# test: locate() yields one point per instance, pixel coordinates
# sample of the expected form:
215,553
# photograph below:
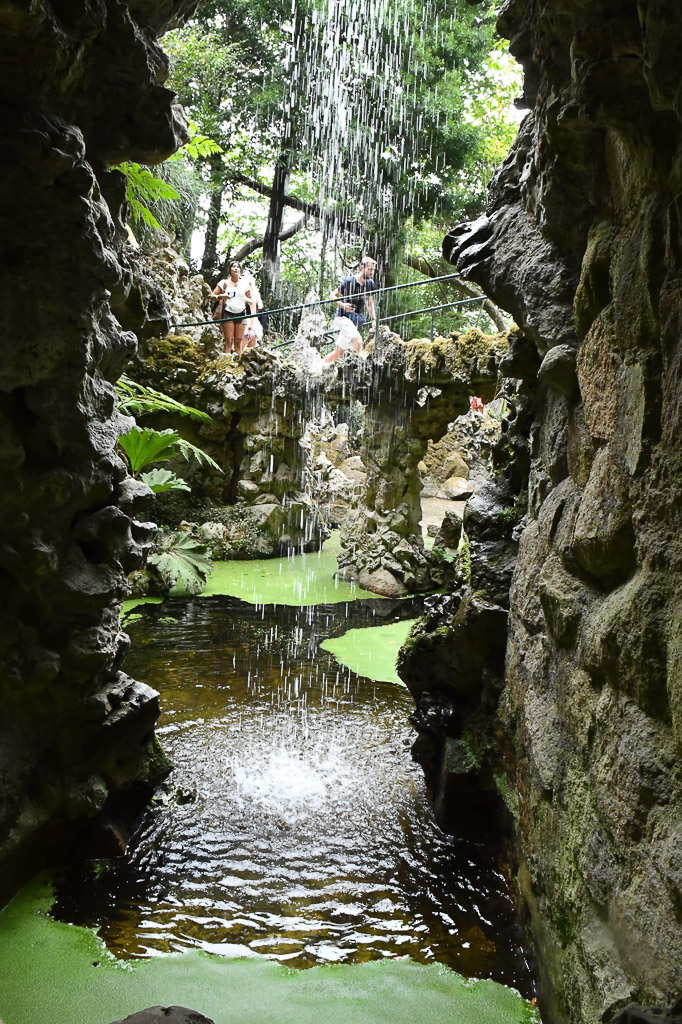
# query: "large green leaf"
144,447
161,480
183,561
137,399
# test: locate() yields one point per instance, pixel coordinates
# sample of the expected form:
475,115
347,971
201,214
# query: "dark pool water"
295,824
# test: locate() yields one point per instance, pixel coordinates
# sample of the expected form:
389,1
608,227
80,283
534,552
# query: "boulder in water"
166,1015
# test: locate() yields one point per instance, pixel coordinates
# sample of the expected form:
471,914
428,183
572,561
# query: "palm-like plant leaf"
187,449
137,399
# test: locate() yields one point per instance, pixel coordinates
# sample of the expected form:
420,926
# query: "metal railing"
326,302
432,310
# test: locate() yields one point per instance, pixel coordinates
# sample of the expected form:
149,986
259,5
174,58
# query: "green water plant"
177,559
74,977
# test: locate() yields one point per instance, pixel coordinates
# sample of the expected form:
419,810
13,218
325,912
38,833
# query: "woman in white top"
254,331
234,293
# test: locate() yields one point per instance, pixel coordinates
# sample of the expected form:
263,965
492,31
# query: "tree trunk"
209,263
273,229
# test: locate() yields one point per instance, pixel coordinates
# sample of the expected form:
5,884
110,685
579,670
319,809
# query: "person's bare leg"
333,356
228,334
239,338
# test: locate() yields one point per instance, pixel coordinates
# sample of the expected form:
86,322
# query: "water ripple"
297,826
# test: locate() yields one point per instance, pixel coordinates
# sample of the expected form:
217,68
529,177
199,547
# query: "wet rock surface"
165,1015
414,389
633,1014
76,732
581,245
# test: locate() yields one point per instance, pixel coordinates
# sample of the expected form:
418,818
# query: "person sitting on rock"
352,295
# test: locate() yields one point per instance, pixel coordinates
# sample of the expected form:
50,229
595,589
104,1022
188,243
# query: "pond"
295,828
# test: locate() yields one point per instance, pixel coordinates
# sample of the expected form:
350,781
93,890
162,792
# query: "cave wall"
582,244
82,89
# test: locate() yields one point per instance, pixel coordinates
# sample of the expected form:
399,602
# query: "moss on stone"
457,353
165,356
157,765
507,791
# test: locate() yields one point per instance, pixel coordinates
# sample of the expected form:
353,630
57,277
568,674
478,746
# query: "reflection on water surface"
297,825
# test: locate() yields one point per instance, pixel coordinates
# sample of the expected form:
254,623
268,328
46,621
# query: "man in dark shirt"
353,294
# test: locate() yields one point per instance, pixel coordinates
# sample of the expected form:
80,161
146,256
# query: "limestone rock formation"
76,731
459,462
260,503
581,243
414,389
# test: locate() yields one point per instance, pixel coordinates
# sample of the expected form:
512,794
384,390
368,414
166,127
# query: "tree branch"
311,209
422,266
257,242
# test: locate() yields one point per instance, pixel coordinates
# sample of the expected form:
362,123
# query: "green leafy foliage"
137,399
188,449
161,480
164,200
198,146
177,558
143,190
181,560
144,446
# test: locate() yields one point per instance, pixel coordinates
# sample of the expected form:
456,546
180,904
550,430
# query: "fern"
142,189
198,146
187,449
151,197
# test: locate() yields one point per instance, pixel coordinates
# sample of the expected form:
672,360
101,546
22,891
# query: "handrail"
326,302
429,309
400,316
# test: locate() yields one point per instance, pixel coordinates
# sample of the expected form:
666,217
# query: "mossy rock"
163,357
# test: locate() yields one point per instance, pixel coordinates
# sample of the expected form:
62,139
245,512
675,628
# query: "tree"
365,124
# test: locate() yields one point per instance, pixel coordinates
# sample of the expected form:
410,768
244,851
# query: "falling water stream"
295,827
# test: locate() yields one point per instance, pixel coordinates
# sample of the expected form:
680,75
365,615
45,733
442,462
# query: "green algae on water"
59,972
298,580
129,606
372,651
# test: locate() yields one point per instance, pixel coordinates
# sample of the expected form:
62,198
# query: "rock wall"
412,391
582,244
258,503
82,88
